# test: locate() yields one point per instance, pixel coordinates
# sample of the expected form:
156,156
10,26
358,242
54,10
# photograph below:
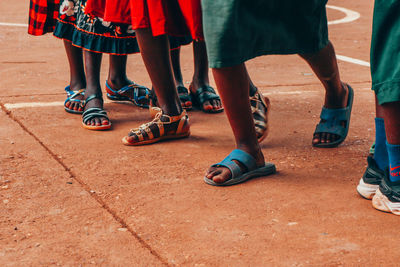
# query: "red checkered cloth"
43,16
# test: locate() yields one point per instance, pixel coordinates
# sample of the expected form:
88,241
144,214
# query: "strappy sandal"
157,130
184,97
260,107
71,98
203,94
124,95
94,112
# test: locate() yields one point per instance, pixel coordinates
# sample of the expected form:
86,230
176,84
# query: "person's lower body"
337,94
95,36
171,121
385,69
234,87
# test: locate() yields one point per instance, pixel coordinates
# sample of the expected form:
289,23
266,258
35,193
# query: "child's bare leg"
92,66
183,92
391,114
324,65
76,70
200,75
117,72
233,86
176,66
156,56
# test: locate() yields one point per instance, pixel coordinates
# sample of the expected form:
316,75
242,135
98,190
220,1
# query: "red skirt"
171,17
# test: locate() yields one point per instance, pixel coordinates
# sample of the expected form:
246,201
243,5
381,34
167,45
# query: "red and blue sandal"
71,97
125,94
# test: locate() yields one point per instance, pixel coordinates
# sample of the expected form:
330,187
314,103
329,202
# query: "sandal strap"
136,89
243,157
339,114
205,93
91,113
71,94
159,125
183,93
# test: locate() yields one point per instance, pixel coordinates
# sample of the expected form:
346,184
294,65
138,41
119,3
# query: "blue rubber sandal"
331,122
71,98
121,94
237,175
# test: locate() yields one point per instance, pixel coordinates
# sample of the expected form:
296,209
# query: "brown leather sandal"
260,107
162,127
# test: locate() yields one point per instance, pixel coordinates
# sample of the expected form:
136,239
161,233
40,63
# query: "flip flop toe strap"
91,113
241,156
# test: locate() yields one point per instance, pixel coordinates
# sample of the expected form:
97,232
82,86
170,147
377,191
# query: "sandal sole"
96,128
155,140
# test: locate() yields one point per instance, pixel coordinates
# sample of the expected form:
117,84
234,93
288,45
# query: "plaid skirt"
43,16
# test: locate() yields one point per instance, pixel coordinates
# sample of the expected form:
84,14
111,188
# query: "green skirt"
385,51
239,30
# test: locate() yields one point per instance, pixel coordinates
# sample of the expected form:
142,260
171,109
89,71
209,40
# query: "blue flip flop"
120,95
331,122
238,176
71,98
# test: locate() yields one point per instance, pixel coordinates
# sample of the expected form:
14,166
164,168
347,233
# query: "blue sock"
394,160
381,153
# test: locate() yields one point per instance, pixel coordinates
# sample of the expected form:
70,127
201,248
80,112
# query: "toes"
211,172
104,121
316,139
207,106
68,104
224,175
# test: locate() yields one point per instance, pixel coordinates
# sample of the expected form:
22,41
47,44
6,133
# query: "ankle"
254,150
118,82
77,85
198,82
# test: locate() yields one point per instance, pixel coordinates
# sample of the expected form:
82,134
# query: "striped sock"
394,160
380,154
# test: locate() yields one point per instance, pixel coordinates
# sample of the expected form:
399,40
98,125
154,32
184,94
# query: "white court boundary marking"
350,17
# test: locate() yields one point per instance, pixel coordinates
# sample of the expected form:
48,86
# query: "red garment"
117,11
171,17
43,16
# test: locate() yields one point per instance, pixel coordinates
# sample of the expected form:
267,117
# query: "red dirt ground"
70,197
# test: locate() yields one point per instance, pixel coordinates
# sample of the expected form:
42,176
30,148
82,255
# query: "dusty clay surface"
72,197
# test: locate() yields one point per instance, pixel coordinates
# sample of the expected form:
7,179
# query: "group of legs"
235,87
240,98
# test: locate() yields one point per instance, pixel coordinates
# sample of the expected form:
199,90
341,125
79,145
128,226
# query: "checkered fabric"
43,16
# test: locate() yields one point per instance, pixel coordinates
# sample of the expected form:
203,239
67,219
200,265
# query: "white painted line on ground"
37,104
350,15
13,24
289,92
33,105
353,60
